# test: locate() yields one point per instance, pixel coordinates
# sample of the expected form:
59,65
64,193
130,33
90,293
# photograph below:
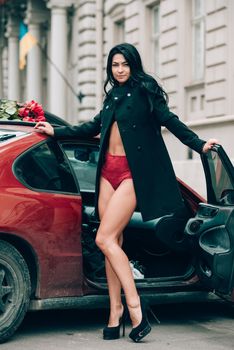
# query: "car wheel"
15,289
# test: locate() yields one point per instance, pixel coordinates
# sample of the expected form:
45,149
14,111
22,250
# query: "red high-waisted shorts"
115,169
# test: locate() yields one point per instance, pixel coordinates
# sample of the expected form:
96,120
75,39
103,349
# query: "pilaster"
36,14
58,55
1,70
12,33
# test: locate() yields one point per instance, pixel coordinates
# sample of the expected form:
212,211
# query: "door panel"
212,229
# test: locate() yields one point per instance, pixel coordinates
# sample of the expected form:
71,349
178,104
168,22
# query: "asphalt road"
185,326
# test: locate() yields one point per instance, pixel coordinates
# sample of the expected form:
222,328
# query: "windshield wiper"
6,136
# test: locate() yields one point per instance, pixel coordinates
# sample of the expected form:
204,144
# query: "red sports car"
48,257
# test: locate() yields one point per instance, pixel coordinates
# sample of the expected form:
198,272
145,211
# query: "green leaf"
11,110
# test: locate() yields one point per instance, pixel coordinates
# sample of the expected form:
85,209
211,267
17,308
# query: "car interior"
158,249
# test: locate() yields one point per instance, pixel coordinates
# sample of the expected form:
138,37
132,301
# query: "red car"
48,258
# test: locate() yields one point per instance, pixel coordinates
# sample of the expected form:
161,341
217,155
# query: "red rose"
23,112
32,111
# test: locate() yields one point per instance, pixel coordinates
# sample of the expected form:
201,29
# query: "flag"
26,42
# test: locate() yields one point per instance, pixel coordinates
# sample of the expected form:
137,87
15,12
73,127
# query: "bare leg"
117,214
114,286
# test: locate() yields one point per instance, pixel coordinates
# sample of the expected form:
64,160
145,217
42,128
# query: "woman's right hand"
45,128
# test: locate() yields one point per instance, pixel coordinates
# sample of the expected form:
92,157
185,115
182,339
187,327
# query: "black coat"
139,122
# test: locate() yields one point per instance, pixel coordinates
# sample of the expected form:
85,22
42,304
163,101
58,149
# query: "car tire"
15,290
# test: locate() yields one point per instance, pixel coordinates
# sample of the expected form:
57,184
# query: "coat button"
107,107
128,94
116,98
139,148
134,126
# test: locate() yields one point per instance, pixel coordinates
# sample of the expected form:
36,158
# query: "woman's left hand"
209,144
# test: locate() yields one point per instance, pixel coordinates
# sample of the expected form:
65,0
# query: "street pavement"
183,326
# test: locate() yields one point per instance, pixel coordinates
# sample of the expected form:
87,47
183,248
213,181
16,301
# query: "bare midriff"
115,142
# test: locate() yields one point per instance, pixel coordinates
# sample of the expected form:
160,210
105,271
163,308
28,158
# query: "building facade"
187,45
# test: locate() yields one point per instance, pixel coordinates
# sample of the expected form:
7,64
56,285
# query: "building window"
198,39
155,38
119,29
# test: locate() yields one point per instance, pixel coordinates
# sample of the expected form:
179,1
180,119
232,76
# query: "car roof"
12,129
9,133
14,133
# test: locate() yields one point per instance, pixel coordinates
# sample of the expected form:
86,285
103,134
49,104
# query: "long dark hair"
138,76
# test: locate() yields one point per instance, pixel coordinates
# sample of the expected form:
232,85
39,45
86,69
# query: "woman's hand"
45,128
209,144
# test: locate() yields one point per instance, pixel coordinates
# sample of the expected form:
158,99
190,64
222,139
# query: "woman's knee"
101,241
104,243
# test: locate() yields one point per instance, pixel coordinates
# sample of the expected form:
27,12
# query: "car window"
83,159
192,173
220,179
45,167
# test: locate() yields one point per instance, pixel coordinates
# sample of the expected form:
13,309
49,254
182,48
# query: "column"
99,54
35,15
1,70
13,60
58,55
34,67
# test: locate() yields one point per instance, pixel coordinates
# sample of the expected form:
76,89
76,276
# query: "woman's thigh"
106,191
118,211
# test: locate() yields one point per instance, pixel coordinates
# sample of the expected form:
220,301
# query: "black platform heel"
111,333
144,327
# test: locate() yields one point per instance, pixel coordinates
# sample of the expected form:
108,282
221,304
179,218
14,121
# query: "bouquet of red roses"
31,111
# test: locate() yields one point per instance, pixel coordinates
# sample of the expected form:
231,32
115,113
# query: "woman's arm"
179,129
188,137
87,129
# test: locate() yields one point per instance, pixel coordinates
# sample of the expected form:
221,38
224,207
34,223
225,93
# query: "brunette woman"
134,168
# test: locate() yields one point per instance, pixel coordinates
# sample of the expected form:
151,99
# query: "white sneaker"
137,270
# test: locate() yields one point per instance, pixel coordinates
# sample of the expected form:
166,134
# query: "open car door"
212,229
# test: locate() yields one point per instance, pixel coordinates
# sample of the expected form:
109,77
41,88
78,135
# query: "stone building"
188,45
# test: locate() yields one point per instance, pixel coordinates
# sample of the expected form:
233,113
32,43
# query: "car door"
212,229
47,214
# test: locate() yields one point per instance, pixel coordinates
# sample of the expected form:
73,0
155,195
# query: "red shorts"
115,170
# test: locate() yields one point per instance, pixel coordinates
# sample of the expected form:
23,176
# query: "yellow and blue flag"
26,42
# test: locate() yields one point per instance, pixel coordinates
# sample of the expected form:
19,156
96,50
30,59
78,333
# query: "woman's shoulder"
155,91
150,85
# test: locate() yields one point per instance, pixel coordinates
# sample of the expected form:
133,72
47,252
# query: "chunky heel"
143,328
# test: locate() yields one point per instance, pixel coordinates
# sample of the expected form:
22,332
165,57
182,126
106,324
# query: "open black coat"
139,122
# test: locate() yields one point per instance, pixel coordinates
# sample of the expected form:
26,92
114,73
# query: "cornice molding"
36,12
60,3
12,28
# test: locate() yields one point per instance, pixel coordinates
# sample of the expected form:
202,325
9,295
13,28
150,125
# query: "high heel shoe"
111,333
143,328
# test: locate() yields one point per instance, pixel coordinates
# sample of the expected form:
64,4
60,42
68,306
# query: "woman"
133,169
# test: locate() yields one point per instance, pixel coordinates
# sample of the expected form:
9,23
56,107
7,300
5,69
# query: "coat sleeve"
171,121
85,130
